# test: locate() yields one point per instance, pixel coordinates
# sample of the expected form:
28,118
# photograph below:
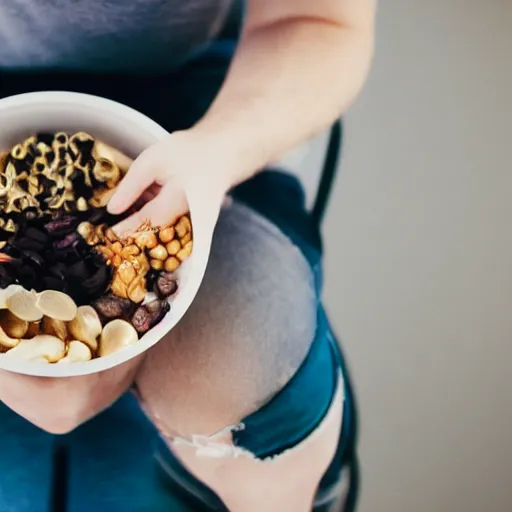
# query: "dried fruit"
116,335
111,307
149,315
165,285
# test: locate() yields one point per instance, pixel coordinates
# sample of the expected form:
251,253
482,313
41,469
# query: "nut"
171,264
23,304
166,235
88,233
130,250
126,272
54,327
57,305
13,326
86,326
137,289
157,264
146,240
77,352
185,252
42,348
102,150
159,253
6,340
183,226
117,247
173,247
115,336
113,306
186,239
7,292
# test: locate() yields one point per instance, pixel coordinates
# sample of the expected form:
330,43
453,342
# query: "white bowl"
131,132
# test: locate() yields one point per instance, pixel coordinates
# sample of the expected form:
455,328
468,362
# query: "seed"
166,235
173,247
116,260
171,264
159,252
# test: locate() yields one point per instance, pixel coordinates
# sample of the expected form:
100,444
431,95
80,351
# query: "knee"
245,335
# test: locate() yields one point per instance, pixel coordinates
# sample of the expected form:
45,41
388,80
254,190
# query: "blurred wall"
419,252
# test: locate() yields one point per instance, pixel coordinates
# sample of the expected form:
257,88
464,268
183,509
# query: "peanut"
146,240
186,239
173,247
158,253
171,264
185,252
166,235
157,264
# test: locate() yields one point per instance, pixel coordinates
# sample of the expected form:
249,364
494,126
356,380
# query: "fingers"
162,210
140,176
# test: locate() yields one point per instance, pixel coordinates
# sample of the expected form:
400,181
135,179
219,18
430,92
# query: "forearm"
288,80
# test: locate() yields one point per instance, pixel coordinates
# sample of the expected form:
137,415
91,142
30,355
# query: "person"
242,406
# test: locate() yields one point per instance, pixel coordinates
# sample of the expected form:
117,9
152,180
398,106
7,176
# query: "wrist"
235,149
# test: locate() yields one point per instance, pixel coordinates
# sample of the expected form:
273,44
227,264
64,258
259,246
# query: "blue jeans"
117,461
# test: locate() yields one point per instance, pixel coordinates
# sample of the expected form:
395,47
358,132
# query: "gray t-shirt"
106,34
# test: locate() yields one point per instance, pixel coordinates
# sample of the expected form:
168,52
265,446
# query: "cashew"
77,352
166,235
57,305
86,326
12,325
117,335
7,292
23,304
159,253
42,348
6,340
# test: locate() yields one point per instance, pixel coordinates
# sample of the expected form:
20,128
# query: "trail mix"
70,288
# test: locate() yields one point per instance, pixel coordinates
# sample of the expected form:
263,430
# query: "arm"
298,67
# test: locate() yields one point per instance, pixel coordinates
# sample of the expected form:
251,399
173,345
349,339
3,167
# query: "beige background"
419,254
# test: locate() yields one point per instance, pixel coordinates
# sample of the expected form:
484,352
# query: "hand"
59,405
162,175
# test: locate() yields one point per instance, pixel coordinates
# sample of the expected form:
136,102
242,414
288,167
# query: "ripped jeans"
119,460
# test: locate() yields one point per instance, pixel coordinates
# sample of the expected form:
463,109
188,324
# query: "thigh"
25,465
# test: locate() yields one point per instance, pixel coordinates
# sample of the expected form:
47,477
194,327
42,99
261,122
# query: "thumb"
139,177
